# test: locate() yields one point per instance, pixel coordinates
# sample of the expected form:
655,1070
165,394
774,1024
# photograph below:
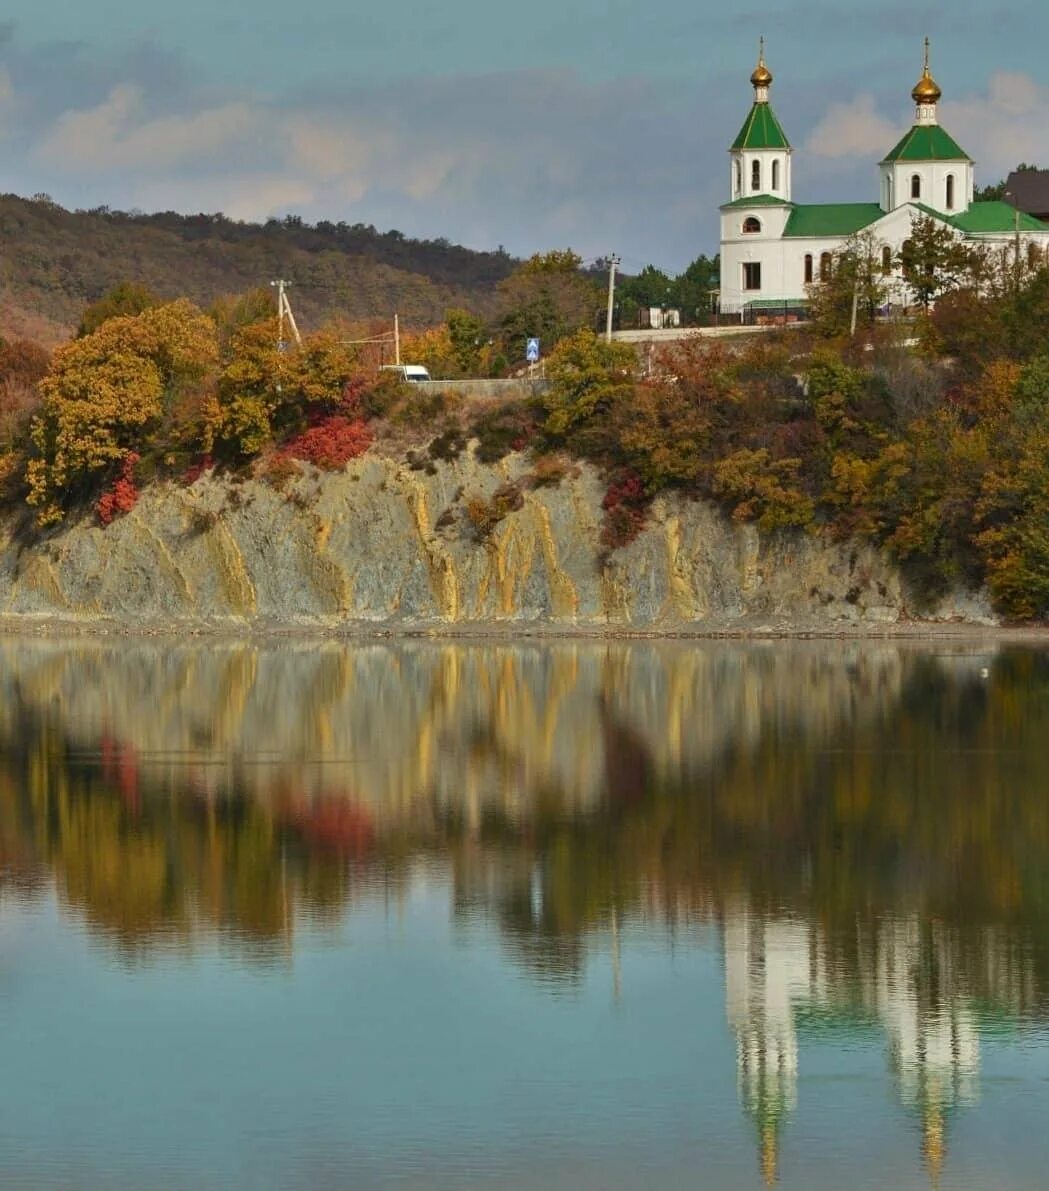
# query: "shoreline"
49,627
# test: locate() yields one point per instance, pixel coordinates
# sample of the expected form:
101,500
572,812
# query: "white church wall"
933,176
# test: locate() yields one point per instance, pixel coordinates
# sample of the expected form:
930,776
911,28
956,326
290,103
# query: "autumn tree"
23,364
263,392
1013,506
108,395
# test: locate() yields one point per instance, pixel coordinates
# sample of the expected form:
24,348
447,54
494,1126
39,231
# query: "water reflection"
864,825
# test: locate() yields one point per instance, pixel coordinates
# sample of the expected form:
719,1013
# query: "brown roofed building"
1029,190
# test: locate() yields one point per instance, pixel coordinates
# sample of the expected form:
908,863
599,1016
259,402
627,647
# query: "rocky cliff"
383,545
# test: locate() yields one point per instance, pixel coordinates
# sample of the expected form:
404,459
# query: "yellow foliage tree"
108,393
262,390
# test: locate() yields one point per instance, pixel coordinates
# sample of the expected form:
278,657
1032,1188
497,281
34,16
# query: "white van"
409,372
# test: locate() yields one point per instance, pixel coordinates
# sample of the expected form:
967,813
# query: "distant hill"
53,262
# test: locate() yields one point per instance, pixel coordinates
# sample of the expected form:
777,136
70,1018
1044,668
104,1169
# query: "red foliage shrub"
331,444
335,824
123,496
352,403
627,490
626,506
192,474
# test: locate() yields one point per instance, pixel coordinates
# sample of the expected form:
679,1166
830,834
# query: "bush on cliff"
331,444
263,393
111,392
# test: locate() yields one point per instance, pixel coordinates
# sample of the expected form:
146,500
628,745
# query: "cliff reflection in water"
866,825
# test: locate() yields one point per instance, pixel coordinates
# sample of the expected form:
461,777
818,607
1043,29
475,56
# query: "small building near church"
1029,190
773,248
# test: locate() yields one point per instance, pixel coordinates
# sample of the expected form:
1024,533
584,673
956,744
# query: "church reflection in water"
779,967
865,824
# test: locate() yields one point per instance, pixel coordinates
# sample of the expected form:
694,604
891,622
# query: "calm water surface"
566,915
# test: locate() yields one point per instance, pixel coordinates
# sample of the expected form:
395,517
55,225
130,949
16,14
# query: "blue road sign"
532,351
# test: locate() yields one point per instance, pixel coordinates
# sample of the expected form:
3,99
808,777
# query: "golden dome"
762,76
926,89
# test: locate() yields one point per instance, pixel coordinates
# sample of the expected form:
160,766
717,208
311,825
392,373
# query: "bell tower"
927,166
760,155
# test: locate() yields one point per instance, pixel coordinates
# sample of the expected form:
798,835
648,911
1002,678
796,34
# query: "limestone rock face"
383,545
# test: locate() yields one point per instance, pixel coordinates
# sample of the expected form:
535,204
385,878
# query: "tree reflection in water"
866,825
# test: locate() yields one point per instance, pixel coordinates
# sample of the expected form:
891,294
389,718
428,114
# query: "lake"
323,914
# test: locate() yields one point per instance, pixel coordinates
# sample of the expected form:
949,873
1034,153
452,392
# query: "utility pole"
1016,237
613,261
284,312
397,339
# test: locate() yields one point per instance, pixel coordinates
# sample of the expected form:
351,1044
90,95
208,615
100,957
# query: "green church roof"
831,219
761,130
757,200
995,217
927,142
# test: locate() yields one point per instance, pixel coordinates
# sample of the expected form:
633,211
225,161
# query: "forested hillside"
53,262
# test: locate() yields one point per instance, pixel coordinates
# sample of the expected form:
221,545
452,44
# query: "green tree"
690,292
468,338
934,259
857,282
126,298
588,378
650,287
548,296
234,312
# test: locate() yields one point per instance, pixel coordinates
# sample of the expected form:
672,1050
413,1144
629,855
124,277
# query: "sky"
600,125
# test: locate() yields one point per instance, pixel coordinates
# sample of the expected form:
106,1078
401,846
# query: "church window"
775,175
751,224
808,268
755,175
916,186
886,259
950,192
752,275
907,257
825,266
1032,254
739,178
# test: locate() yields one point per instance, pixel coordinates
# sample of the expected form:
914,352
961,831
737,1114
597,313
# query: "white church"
773,248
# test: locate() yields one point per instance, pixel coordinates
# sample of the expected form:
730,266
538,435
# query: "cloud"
853,129
118,134
1002,127
529,158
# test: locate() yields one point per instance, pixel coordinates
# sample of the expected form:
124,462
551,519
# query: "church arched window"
751,224
775,175
755,175
825,266
950,192
739,178
886,259
916,186
1033,254
808,268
